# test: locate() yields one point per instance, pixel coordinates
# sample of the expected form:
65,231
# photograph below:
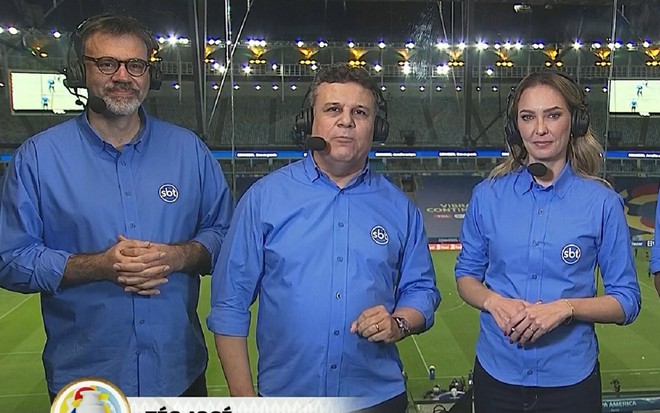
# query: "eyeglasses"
109,65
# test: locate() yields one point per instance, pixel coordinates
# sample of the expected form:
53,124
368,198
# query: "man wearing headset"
112,216
338,257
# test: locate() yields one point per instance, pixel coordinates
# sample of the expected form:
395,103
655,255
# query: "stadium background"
446,104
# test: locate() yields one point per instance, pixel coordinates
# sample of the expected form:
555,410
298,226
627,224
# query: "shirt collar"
99,144
313,172
525,181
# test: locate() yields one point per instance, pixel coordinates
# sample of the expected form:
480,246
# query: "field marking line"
16,306
6,396
20,353
419,350
452,308
650,371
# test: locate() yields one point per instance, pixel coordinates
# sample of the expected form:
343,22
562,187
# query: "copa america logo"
168,193
379,235
90,395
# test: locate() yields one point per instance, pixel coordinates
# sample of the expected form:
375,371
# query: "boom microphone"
96,104
315,143
537,169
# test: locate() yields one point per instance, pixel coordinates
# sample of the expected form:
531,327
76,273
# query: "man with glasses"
112,216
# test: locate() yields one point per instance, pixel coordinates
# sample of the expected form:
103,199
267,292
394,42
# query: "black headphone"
580,117
302,127
75,71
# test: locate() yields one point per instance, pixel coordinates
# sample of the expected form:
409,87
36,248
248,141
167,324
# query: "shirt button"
540,211
340,224
123,163
137,353
132,225
141,321
529,372
334,367
340,259
336,332
533,276
536,243
127,193
338,296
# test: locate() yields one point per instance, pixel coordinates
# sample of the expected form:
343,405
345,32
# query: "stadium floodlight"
378,68
442,45
12,30
57,34
522,8
381,44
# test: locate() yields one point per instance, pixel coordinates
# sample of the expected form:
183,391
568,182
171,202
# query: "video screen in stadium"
33,92
634,96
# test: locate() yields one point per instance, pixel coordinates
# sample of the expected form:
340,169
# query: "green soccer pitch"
631,353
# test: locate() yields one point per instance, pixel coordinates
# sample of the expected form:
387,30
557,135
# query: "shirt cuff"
228,322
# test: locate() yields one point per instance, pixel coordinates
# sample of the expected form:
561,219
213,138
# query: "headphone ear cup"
580,122
511,132
303,125
75,75
155,77
381,129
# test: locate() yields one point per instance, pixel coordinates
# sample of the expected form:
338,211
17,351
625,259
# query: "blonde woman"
534,233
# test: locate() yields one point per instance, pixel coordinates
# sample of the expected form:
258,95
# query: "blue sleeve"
26,264
217,206
615,259
654,264
473,258
417,288
239,269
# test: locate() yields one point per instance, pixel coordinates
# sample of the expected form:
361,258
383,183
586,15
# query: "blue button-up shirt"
67,192
543,244
317,256
654,264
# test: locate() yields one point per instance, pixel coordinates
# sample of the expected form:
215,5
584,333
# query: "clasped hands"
524,322
141,266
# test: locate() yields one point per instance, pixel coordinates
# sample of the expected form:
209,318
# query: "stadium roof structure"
548,20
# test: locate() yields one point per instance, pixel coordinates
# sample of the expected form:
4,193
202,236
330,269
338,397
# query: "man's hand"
142,267
376,324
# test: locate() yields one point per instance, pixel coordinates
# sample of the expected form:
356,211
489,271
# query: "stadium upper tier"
247,118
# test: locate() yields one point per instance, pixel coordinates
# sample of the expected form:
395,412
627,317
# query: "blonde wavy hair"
584,152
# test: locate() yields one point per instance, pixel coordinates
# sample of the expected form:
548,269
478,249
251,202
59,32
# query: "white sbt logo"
571,254
168,193
379,235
